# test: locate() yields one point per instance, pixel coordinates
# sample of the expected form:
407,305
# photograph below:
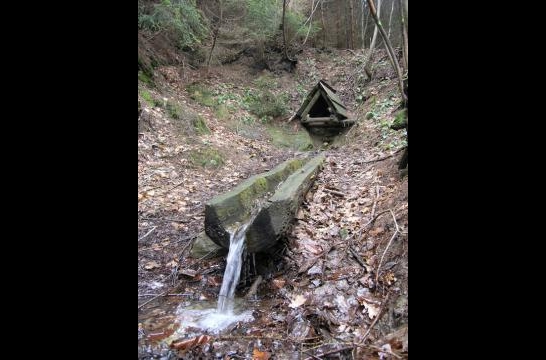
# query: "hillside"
339,286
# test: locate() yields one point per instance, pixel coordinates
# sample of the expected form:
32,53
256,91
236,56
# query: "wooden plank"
310,105
315,119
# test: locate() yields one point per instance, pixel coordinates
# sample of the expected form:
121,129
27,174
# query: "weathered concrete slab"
283,187
226,212
277,214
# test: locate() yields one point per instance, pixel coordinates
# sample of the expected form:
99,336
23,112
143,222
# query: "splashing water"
233,269
219,319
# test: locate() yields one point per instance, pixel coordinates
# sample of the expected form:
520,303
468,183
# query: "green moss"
201,94
208,157
399,120
222,112
200,125
150,100
174,110
262,183
286,138
145,78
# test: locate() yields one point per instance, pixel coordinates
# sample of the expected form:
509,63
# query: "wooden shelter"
323,108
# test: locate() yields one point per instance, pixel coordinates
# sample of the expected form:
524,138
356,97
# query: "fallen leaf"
372,309
188,272
297,301
377,231
214,281
151,265
173,263
278,283
190,343
260,355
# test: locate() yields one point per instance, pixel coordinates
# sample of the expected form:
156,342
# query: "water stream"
226,313
233,269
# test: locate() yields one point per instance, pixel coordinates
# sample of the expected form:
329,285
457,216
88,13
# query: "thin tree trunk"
390,51
352,27
322,23
215,32
310,23
404,22
374,37
284,31
361,24
214,37
390,20
365,26
310,19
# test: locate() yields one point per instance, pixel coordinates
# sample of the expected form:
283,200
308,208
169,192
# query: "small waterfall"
233,268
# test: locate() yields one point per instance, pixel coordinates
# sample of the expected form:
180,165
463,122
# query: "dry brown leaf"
297,301
214,281
260,355
373,310
156,247
278,283
190,343
173,263
151,265
377,231
188,272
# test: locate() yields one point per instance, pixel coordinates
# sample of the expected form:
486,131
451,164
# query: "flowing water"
233,270
216,320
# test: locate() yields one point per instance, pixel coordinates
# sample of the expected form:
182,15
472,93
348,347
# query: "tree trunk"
404,22
365,24
390,51
292,61
310,20
322,24
214,37
374,37
351,27
215,32
390,20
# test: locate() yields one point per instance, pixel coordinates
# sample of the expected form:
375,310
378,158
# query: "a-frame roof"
329,94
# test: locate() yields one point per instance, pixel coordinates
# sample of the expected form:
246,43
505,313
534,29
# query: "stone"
280,190
203,247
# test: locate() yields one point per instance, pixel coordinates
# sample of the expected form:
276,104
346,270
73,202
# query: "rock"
280,210
204,247
284,187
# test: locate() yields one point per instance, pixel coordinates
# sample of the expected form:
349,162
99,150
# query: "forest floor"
340,288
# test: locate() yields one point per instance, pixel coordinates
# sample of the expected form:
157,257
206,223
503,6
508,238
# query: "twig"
182,294
291,118
358,259
312,356
148,233
376,318
188,238
152,299
375,218
334,192
380,159
333,352
385,351
254,287
376,197
177,185
387,248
